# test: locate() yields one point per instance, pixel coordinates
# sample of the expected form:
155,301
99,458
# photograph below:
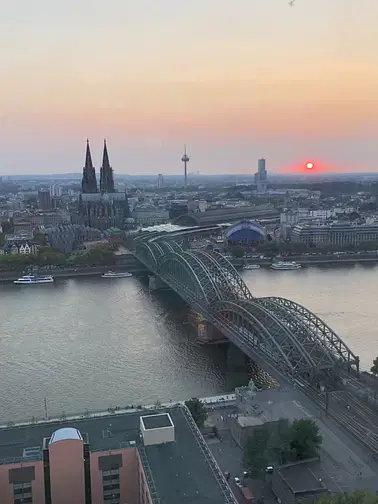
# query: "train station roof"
210,217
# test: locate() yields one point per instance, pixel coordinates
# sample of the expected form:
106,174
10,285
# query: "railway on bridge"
277,333
283,333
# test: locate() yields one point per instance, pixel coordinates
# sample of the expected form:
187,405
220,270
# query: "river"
91,343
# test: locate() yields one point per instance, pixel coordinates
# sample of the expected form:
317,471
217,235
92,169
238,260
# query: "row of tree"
358,497
102,255
280,443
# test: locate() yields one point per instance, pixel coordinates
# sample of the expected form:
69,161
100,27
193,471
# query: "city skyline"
233,82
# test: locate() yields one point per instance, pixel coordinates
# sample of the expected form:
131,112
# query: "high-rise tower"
261,177
106,174
89,182
185,159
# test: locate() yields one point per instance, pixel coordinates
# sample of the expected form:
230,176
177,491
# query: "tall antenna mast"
185,159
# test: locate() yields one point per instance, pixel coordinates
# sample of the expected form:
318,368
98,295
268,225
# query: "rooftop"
185,475
232,214
64,434
182,470
156,421
300,478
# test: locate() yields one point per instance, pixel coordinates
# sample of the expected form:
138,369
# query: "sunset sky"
235,80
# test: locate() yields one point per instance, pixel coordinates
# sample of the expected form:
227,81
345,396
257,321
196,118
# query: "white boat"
112,274
283,265
251,266
33,280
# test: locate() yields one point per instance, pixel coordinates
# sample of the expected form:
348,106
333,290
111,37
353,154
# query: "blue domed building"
246,234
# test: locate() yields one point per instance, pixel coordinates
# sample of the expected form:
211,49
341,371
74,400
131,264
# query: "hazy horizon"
234,81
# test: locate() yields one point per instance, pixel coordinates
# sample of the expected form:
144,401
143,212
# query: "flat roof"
156,421
301,478
181,469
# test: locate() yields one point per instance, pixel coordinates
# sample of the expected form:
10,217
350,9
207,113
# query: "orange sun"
310,166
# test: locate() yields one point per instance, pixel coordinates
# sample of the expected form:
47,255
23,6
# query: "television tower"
185,159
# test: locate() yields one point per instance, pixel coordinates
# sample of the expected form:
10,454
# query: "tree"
374,368
280,443
358,497
278,448
237,252
96,256
268,445
305,439
256,455
48,256
197,410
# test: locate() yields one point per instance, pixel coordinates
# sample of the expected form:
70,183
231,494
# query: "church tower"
89,182
106,174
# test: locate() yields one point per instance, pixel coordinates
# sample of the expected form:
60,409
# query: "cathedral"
104,208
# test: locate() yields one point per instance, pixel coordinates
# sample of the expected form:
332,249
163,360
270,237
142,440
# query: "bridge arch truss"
146,253
263,331
284,332
313,328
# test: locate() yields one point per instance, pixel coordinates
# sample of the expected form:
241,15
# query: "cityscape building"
160,181
150,216
55,191
68,237
337,233
44,199
140,457
261,176
106,208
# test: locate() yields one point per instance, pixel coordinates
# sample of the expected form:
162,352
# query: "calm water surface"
91,343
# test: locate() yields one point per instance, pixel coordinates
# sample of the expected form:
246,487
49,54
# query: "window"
111,486
112,498
22,493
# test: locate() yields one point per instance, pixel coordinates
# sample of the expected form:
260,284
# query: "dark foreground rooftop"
182,471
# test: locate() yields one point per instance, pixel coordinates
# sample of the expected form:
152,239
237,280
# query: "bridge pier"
206,333
237,366
237,361
154,283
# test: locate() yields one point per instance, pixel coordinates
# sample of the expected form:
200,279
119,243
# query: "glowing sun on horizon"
310,166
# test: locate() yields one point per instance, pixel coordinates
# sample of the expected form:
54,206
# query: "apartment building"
337,233
141,457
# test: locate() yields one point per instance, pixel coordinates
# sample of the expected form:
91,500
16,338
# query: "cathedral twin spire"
106,173
89,181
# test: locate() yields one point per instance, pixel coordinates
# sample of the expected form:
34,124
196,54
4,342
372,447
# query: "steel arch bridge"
282,332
